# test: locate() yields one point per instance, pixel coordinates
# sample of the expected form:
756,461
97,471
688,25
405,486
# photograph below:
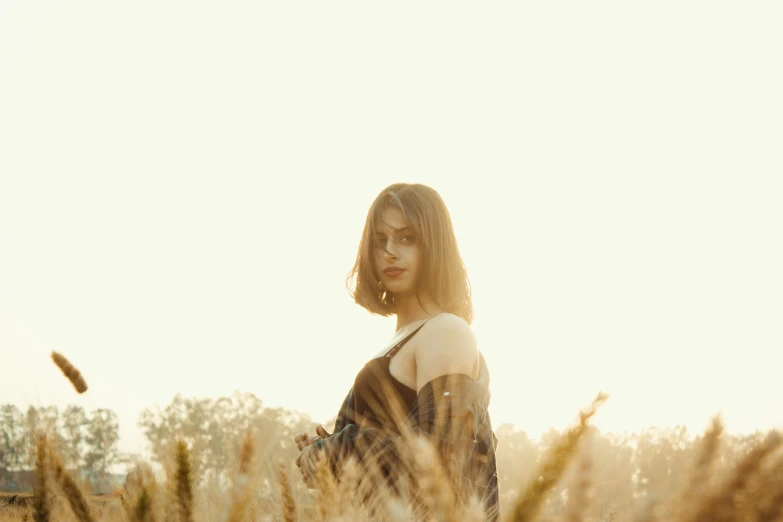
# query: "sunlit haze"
183,187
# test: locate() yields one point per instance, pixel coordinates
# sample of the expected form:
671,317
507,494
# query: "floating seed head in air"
70,371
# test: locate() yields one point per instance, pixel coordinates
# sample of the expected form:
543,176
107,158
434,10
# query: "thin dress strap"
400,344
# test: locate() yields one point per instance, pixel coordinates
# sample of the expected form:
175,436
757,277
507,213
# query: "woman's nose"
389,251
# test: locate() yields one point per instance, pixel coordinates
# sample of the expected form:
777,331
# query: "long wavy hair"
442,274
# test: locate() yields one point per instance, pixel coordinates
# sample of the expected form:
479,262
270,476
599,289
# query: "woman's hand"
302,440
305,461
322,432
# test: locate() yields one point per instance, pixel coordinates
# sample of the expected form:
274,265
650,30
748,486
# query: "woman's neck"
409,310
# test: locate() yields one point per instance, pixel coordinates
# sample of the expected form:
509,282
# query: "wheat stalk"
73,493
348,486
141,486
247,451
142,511
183,482
434,485
41,488
326,487
70,371
243,482
286,494
701,471
579,491
769,506
549,472
723,504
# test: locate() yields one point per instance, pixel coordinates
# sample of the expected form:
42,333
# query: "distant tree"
101,439
73,424
613,469
660,459
42,419
12,439
516,456
82,442
188,419
37,421
213,428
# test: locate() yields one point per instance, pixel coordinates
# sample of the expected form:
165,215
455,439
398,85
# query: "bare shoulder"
447,345
449,327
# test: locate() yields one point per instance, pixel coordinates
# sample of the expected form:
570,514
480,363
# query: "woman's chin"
400,290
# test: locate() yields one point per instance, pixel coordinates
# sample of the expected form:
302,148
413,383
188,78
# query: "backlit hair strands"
442,273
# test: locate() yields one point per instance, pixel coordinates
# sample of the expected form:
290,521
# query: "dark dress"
378,408
377,393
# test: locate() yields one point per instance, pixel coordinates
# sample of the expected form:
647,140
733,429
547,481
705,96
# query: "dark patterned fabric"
451,411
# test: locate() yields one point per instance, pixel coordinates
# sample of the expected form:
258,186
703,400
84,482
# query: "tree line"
624,467
88,443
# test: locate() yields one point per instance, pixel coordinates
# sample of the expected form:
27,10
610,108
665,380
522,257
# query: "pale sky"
183,186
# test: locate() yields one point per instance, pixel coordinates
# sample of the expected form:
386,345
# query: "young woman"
431,379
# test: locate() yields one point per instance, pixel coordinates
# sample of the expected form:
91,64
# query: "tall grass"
183,483
553,466
41,491
750,490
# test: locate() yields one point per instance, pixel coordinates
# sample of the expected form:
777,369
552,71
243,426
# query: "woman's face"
396,246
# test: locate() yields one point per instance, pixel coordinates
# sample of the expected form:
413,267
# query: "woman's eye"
408,239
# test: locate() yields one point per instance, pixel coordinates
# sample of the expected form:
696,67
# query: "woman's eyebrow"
396,230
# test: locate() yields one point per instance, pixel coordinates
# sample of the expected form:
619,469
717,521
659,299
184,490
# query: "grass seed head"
70,371
41,488
288,504
184,483
553,465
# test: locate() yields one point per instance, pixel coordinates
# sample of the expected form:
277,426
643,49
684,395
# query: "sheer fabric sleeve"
346,414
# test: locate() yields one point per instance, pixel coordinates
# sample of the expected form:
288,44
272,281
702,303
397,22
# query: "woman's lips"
393,273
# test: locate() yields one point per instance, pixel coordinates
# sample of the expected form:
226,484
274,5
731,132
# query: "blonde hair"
442,272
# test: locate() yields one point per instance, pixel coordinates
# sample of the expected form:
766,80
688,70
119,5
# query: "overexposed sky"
183,186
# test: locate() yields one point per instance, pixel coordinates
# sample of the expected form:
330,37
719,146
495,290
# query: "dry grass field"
748,488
